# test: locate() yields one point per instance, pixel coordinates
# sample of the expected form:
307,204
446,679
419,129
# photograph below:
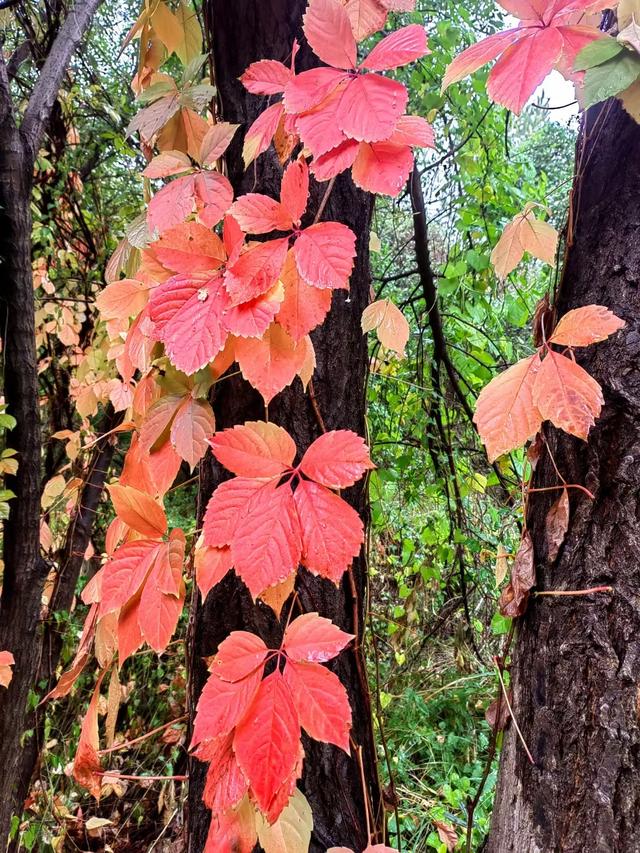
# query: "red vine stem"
143,737
563,486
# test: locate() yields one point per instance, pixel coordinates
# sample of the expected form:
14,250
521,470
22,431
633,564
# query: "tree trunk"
241,33
24,569
576,668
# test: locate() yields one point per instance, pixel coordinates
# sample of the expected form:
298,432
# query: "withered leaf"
556,526
447,834
513,601
498,721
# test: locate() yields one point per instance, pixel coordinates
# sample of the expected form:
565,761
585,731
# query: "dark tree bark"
576,668
24,569
241,33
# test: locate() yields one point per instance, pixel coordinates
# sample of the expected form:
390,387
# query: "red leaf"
332,531
401,47
319,128
313,639
125,572
266,77
328,31
156,424
335,161
370,107
337,459
138,510
259,135
255,449
414,131
266,543
130,637
366,17
86,765
272,363
324,255
258,214
222,705
522,67
171,205
253,318
233,830
225,508
479,54
239,655
321,702
567,395
294,190
307,90
584,326
187,313
159,612
193,424
225,785
213,196
266,742
256,270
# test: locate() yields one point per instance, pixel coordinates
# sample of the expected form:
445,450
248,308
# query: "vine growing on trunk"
191,291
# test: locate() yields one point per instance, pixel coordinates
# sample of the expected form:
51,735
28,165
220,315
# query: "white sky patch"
558,92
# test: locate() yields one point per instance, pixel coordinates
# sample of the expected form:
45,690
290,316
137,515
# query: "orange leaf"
139,510
584,326
6,673
506,415
390,324
86,765
566,395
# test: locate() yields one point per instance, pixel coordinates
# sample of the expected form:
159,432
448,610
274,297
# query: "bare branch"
46,89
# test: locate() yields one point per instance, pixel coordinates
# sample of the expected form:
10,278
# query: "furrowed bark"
242,33
576,667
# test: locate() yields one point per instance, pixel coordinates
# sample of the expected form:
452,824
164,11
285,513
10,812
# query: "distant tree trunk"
576,669
241,33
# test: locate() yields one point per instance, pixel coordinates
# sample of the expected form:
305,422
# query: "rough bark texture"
576,671
244,32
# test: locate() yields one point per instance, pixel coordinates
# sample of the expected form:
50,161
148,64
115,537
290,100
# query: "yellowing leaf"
390,324
190,45
523,234
502,565
291,833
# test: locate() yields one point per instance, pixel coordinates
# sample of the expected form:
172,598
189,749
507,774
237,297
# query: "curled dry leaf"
497,714
513,601
556,525
502,565
447,834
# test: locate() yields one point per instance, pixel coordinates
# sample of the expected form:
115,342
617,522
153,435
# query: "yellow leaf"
167,27
190,45
291,833
390,324
539,238
508,251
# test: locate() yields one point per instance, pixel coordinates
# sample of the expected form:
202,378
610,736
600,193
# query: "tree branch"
46,89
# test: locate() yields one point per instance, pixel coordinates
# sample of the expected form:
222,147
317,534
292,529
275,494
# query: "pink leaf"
414,131
325,253
328,31
272,363
190,247
225,785
479,54
187,313
211,565
256,270
213,194
192,426
304,307
319,128
335,161
399,48
266,77
310,88
259,214
332,531
266,543
370,107
337,459
254,449
382,168
252,318
125,573
294,190
225,508
522,67
259,135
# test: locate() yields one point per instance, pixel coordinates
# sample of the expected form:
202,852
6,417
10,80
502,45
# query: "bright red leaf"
314,639
238,656
337,459
255,449
321,702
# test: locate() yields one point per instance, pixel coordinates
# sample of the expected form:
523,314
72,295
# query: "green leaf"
611,78
597,52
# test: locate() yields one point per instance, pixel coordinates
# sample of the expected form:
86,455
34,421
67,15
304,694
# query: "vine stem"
563,486
515,722
591,591
113,774
143,737
325,199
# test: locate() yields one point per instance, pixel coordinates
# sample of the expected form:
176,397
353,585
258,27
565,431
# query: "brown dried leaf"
502,565
447,834
513,601
495,720
556,525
